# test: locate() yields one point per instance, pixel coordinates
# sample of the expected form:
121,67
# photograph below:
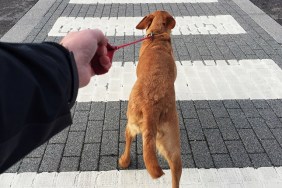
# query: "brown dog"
152,107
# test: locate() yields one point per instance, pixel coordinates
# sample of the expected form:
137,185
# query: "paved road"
228,88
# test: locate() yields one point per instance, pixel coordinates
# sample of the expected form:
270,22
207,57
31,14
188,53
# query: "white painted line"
187,25
266,177
139,1
197,80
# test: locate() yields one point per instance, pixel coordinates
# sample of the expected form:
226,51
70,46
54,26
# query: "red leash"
112,49
98,69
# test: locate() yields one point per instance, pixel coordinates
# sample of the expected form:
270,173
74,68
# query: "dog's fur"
152,107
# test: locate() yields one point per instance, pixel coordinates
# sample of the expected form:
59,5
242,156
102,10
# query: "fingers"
105,62
101,51
100,37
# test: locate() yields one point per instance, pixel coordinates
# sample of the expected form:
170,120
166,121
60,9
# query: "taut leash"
99,69
111,49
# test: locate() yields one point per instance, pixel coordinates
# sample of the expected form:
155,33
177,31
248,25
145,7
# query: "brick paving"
209,139
214,133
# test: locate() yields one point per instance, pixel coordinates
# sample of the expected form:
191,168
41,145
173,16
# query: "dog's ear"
170,22
145,22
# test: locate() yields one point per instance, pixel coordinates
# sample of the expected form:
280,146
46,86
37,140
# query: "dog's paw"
124,161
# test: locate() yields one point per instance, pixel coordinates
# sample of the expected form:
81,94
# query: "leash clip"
151,35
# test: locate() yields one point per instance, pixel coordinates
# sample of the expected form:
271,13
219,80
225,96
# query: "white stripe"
198,80
187,25
139,1
267,177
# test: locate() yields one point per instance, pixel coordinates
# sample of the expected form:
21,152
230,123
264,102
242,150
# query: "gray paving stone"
238,118
38,152
206,118
180,120
187,161
194,129
260,160
133,154
80,120
188,109
226,52
201,104
274,151
162,162
250,141
215,52
139,144
107,163
185,148
260,104
98,11
204,51
74,144
69,164
251,112
106,10
215,141
14,168
112,114
261,54
193,51
140,162
278,135
218,109
222,161
91,11
90,157
227,129
276,106
122,130
61,137
97,111
83,106
94,132
238,154
30,165
268,50
245,103
109,143
123,109
177,105
52,157
231,104
68,10
270,118
261,129
201,154
247,50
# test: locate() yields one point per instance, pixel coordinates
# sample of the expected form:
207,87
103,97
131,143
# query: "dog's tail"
149,147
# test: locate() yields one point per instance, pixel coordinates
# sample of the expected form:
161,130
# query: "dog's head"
157,22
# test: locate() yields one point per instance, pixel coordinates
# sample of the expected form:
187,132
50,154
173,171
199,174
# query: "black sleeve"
38,86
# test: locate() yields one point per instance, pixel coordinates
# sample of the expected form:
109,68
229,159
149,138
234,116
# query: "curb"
262,19
25,25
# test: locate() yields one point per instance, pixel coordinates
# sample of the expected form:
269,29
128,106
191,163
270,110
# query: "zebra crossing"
227,88
198,79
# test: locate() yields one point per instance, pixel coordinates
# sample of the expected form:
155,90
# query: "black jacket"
38,86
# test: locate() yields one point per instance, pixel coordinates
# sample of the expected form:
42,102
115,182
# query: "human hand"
90,53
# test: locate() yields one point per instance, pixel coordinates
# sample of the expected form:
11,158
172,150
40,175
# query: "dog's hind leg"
169,147
124,160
